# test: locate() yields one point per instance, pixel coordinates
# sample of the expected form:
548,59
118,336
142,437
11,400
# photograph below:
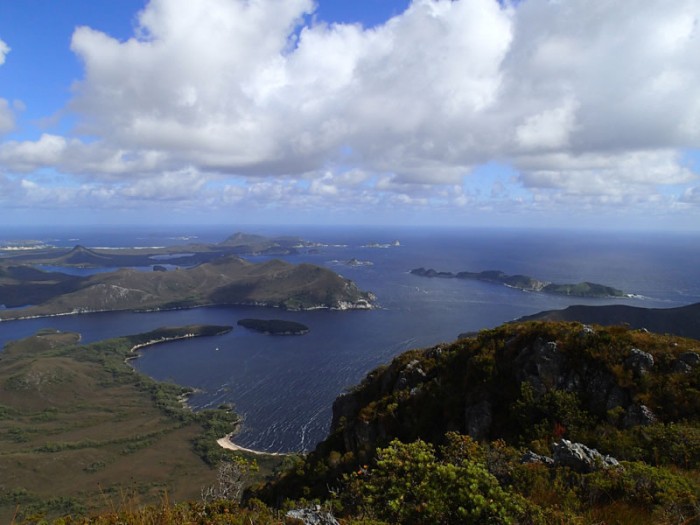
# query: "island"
274,326
227,280
33,253
527,283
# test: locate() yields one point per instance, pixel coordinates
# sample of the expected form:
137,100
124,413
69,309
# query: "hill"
683,321
549,422
224,281
80,429
527,283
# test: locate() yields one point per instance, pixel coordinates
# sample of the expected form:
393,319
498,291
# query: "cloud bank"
592,103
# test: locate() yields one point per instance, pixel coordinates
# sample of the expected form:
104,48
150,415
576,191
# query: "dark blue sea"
284,386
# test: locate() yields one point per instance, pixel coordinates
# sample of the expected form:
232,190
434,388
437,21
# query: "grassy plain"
81,431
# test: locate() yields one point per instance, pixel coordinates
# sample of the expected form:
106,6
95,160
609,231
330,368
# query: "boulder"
686,362
312,516
639,362
581,458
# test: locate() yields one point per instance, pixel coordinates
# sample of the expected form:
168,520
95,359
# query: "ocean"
284,386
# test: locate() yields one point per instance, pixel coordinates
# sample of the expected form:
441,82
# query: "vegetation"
470,432
393,454
527,283
79,428
227,280
274,326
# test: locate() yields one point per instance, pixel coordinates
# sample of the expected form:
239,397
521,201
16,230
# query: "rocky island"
527,283
274,326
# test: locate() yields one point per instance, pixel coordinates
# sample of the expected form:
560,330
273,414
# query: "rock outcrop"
312,516
576,456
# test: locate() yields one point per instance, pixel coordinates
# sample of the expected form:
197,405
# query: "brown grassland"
81,431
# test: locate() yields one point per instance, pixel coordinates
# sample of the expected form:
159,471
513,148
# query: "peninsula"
527,283
228,280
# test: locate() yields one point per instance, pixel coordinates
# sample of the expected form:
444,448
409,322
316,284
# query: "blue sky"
467,112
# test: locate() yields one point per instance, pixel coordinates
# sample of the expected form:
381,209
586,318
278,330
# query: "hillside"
80,429
225,281
514,398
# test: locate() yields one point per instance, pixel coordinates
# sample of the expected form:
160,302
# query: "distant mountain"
246,243
527,283
226,281
183,255
80,255
683,321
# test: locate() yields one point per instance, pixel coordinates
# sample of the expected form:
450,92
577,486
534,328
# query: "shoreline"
226,443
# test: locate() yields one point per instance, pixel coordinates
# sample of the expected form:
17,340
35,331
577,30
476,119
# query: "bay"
284,386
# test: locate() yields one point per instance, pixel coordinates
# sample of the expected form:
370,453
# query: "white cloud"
4,50
601,174
170,186
580,96
7,117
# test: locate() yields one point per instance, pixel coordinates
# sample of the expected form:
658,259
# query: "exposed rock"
690,358
314,516
686,362
478,419
639,362
531,457
586,331
581,458
637,415
541,365
411,376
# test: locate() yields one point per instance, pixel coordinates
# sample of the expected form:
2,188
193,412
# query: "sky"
537,113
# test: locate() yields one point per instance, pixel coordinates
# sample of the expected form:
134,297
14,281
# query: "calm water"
284,386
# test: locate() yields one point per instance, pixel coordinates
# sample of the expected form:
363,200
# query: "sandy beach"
225,442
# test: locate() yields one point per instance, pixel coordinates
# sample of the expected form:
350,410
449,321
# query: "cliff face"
528,384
